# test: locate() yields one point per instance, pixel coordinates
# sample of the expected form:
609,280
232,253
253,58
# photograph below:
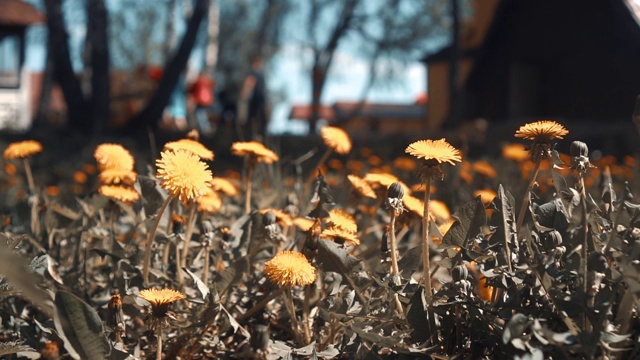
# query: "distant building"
16,96
365,119
577,60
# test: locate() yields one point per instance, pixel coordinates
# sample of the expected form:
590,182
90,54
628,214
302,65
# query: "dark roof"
18,13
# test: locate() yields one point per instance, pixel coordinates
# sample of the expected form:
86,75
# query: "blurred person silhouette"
252,107
202,92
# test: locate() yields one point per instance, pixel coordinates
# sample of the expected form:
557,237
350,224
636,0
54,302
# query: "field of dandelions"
335,253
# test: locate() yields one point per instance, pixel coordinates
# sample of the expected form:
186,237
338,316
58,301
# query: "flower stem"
585,247
159,349
150,238
527,196
247,181
27,170
426,275
205,268
394,259
288,302
426,262
188,233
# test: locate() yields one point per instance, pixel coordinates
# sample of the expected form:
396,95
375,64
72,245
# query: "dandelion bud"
578,148
459,273
269,218
597,262
395,191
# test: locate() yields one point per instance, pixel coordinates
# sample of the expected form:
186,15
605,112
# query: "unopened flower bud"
459,272
578,148
395,191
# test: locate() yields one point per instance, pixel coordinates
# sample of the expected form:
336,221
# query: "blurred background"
257,68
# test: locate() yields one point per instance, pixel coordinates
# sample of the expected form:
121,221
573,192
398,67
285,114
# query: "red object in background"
202,90
422,98
155,72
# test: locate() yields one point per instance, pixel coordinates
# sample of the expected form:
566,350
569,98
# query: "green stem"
27,170
288,301
150,239
394,260
426,261
188,233
426,275
159,349
247,201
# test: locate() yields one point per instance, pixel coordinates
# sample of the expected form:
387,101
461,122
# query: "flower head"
22,149
361,186
541,131
122,193
340,235
336,139
483,167
161,299
224,186
342,219
191,145
289,268
111,156
256,150
438,151
117,176
209,202
515,152
303,223
183,174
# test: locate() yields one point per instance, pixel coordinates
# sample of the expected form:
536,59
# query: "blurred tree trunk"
99,52
63,70
213,31
323,58
152,112
455,109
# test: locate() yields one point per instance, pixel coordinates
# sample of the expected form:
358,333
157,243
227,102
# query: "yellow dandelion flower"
255,149
439,210
384,180
282,217
183,174
413,204
404,163
224,186
484,168
22,149
191,145
161,299
361,186
486,195
109,156
80,177
290,268
439,151
541,131
304,224
117,176
515,152
209,202
380,179
122,193
338,234
342,219
336,139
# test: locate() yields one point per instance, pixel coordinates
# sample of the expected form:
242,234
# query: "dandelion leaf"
417,317
12,347
411,261
81,326
504,219
334,257
470,218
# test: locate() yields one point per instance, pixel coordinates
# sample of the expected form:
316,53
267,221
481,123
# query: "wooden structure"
575,60
15,86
